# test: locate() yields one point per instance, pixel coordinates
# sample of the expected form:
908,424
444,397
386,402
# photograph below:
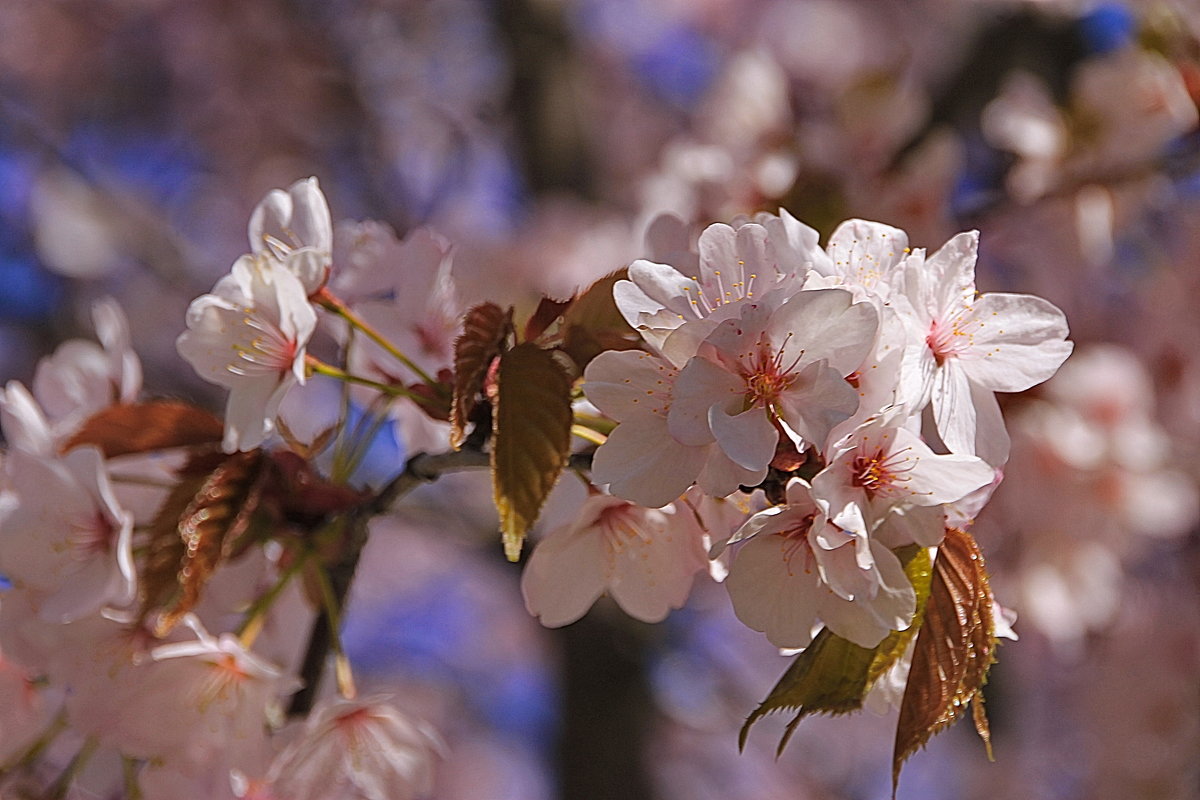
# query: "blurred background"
540,137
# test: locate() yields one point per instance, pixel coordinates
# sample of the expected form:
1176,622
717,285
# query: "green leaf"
833,675
531,437
953,651
485,329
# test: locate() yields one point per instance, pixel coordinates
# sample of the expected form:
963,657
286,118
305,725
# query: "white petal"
1019,342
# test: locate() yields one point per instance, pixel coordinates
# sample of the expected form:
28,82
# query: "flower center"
622,527
92,535
796,547
269,350
951,338
766,376
881,473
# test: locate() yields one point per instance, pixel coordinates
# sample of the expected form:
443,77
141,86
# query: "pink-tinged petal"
866,252
641,462
748,438
1019,342
653,574
700,386
866,621
797,245
953,411
629,383
818,400
951,273
566,574
931,479
25,426
775,591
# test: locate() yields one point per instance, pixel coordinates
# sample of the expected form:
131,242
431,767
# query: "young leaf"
833,675
485,327
204,521
953,651
531,437
141,427
593,324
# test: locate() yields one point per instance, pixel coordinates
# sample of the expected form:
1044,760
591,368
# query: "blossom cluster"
798,419
855,383
107,693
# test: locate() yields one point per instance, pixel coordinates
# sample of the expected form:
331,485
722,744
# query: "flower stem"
331,606
319,367
330,302
256,615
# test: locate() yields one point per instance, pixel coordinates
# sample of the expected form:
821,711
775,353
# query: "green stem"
319,367
333,614
247,631
328,301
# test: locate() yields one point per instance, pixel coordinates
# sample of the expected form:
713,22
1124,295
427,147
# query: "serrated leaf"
953,651
547,311
834,675
485,327
531,438
141,427
204,521
593,324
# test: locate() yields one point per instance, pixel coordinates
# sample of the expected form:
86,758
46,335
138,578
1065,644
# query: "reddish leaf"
531,437
953,651
546,312
204,521
485,328
141,427
593,324
833,675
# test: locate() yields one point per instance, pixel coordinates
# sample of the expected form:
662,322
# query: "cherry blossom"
975,346
883,467
641,461
795,569
643,558
64,538
780,364
355,750
250,336
735,265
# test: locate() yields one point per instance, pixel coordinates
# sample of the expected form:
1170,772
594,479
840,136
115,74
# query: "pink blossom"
250,336
643,558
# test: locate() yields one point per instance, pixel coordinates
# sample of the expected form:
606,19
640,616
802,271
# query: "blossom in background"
63,536
250,336
355,750
643,558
